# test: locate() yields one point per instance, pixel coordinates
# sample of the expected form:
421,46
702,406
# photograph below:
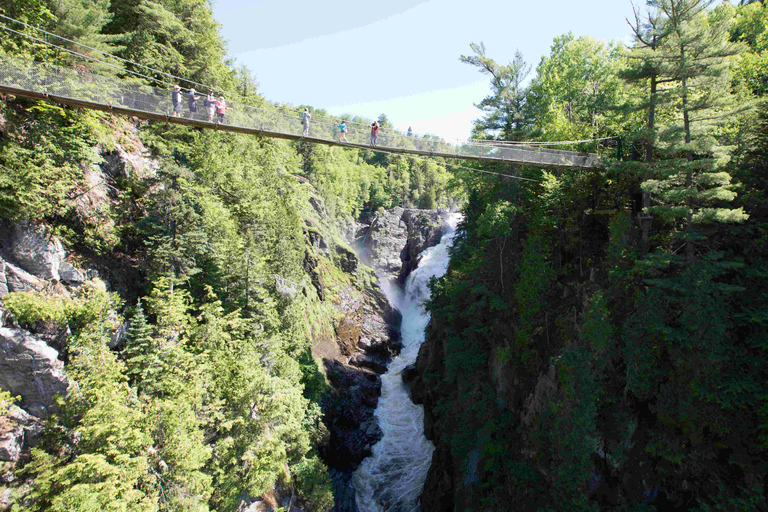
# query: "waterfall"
392,478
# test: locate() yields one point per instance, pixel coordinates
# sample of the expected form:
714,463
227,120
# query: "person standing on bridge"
210,103
305,122
221,108
176,100
343,130
192,103
374,132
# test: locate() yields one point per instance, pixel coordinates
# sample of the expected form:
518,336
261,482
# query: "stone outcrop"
18,279
395,238
18,430
36,251
424,229
349,414
31,369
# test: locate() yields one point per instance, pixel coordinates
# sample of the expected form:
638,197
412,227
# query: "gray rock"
70,274
33,250
31,369
18,431
3,280
19,280
396,237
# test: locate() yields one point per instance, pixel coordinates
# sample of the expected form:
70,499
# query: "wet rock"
396,237
34,249
410,378
348,414
424,229
438,492
372,362
343,491
31,369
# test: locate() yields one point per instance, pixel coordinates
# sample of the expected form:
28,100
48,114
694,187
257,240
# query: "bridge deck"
81,87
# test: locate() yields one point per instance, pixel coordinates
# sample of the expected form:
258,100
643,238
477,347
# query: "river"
392,478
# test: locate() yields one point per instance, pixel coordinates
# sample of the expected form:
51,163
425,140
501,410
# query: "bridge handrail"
82,82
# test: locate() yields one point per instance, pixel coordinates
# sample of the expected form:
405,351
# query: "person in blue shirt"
192,103
343,130
176,100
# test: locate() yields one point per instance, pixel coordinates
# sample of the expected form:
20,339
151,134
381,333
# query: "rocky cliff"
364,334
393,240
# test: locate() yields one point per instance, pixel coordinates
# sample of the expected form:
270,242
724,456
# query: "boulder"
71,275
31,369
19,280
3,280
35,251
18,430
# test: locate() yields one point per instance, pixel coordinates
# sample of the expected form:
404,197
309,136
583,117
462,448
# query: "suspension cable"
334,119
538,143
459,166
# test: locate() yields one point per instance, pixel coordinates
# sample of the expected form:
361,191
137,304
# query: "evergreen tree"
694,56
100,462
504,108
644,66
140,354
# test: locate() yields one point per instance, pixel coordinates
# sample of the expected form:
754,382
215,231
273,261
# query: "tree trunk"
688,174
646,222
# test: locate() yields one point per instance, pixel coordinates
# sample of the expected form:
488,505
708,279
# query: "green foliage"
41,161
575,87
505,108
90,307
99,461
313,484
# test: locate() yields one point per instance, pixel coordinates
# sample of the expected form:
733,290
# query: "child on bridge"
343,132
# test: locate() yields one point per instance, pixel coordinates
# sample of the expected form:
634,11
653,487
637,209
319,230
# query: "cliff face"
395,238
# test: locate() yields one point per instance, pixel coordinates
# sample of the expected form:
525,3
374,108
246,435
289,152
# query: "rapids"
391,479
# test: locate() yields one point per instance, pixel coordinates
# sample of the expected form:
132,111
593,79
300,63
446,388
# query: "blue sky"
400,57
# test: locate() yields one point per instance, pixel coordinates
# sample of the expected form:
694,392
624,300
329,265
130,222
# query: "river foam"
392,478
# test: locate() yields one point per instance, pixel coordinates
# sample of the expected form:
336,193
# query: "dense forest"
213,395
599,342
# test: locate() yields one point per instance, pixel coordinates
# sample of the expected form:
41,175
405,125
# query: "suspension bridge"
86,85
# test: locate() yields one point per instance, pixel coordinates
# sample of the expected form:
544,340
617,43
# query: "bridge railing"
82,82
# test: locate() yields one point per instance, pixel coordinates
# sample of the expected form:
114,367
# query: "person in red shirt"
374,132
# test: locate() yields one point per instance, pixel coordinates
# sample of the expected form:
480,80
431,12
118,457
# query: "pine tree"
644,66
140,353
504,112
694,58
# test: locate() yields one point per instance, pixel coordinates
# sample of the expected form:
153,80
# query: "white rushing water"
392,478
